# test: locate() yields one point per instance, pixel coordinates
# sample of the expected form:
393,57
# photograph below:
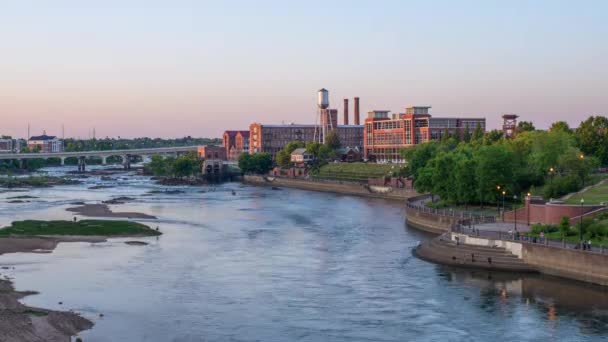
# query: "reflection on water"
557,298
287,265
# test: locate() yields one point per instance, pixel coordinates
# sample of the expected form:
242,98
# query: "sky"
177,68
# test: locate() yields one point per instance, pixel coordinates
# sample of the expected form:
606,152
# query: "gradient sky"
177,68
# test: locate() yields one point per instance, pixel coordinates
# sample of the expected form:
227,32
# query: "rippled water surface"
282,265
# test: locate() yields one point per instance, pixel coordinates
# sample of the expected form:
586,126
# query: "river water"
281,265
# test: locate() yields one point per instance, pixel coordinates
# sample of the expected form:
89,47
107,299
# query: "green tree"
418,156
467,134
477,134
592,137
258,163
492,137
158,166
312,147
283,158
494,168
560,126
326,153
525,126
333,140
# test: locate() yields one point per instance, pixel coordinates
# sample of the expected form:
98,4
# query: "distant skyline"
179,68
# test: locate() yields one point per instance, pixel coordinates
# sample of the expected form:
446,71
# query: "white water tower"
323,99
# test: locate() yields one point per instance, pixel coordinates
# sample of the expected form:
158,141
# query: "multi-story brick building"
273,138
235,143
7,145
385,135
45,143
210,152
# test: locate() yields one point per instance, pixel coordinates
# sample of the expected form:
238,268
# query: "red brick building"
45,143
235,143
386,134
208,152
273,138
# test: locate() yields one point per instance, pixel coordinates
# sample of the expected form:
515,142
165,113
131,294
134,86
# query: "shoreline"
343,188
22,323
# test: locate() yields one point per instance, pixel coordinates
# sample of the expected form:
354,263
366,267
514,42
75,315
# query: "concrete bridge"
103,155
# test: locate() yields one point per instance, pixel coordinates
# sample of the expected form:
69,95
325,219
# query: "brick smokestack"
357,111
346,112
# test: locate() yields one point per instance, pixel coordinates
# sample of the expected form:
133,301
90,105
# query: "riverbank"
345,188
103,210
35,182
22,323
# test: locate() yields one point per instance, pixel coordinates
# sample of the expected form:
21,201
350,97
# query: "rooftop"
43,137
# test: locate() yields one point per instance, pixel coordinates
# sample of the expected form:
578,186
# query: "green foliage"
283,157
419,155
258,163
359,172
492,137
313,148
186,165
525,126
81,228
560,126
467,134
477,134
468,173
325,154
332,140
592,137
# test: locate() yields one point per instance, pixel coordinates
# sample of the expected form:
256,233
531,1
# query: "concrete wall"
574,264
511,246
569,263
331,186
548,213
429,222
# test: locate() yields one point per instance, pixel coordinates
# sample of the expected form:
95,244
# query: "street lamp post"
497,202
582,156
528,205
503,205
515,212
551,173
580,227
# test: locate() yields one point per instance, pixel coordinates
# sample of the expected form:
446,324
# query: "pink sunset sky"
172,69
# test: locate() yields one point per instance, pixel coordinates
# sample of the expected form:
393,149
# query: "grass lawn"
594,195
595,242
83,227
356,171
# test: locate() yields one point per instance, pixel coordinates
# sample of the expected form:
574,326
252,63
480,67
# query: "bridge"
103,155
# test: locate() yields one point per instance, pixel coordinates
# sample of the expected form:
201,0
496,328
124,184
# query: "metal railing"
466,218
523,238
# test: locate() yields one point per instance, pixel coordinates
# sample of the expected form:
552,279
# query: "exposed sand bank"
21,323
41,244
102,210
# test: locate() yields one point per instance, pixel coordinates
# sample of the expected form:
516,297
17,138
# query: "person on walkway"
542,236
589,245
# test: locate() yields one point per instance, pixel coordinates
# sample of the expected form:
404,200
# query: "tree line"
480,167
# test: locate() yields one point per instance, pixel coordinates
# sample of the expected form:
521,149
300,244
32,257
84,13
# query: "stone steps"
447,252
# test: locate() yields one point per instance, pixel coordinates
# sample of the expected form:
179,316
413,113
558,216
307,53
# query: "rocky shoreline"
22,323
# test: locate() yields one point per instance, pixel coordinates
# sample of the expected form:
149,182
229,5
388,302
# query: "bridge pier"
62,161
104,160
82,164
126,162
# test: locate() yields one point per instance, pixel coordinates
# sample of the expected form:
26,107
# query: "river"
281,265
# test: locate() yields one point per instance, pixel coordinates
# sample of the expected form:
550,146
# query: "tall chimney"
345,112
357,111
